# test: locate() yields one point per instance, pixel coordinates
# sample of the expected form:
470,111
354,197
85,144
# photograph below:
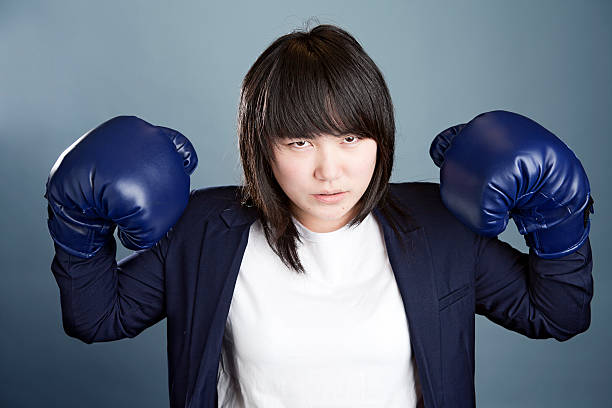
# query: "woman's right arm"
104,301
129,174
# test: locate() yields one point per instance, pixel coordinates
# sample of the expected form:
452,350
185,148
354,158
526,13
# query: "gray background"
66,67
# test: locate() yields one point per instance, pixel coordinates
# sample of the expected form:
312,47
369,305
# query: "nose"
328,165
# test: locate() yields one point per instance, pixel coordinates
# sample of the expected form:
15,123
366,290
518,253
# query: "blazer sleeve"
103,300
537,297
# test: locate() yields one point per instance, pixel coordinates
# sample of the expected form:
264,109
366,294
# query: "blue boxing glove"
503,165
126,173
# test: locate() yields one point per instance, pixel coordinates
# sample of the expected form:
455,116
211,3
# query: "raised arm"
104,301
534,296
129,174
503,165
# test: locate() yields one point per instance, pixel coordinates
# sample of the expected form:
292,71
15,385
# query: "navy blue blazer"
446,275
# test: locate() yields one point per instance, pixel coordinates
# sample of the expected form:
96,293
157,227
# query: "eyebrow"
310,137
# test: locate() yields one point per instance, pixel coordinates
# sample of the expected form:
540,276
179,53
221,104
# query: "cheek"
366,164
289,173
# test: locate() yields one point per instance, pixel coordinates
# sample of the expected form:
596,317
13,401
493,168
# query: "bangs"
310,91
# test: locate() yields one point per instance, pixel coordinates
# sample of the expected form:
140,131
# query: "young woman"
316,282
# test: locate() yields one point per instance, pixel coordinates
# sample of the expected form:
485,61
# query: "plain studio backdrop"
67,66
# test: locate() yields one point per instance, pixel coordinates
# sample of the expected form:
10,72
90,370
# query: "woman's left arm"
537,297
503,165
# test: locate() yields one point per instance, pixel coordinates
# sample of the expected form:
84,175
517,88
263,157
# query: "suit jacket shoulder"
207,200
422,200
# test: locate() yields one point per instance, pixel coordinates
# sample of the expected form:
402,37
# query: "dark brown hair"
304,84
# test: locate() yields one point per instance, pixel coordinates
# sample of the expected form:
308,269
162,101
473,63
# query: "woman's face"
305,169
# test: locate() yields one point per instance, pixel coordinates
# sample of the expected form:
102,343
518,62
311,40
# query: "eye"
354,139
299,144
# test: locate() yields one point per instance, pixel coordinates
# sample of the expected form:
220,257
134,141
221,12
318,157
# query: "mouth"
330,197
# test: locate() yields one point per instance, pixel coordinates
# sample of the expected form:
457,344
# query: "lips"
330,198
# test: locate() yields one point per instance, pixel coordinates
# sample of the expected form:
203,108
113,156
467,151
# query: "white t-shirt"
335,337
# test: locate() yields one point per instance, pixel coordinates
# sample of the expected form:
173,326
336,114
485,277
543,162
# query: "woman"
316,282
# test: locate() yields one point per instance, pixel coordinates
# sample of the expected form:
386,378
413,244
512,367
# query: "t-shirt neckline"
313,236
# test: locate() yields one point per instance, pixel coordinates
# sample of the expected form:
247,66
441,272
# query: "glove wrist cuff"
562,238
74,236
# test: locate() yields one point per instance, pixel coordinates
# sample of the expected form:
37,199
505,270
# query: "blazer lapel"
221,255
414,274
